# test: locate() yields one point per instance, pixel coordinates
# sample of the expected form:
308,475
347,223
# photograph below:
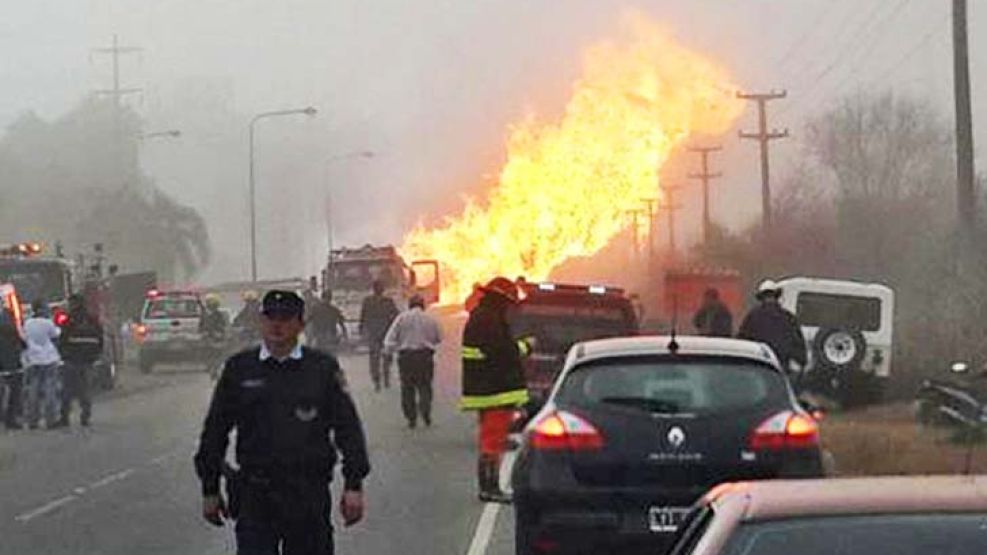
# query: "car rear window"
839,311
920,534
173,308
558,326
701,385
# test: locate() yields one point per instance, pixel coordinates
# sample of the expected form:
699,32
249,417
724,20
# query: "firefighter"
376,315
713,319
292,412
493,380
770,323
81,346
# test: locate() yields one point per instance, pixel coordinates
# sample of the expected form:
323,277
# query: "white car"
849,331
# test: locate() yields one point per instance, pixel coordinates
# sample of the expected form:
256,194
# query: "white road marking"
77,493
488,518
46,508
484,529
115,477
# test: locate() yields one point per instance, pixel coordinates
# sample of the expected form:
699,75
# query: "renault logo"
676,436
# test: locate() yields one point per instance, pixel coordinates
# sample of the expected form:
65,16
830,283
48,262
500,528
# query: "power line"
803,38
853,37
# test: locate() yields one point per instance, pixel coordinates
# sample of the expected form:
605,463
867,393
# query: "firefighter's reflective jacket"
492,373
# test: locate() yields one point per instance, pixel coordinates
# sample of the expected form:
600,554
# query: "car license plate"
665,520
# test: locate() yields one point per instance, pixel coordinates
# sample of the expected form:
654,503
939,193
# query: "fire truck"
351,272
36,275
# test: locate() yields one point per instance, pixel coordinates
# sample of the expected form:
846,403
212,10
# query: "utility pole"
670,208
763,136
650,205
117,92
705,177
635,213
965,172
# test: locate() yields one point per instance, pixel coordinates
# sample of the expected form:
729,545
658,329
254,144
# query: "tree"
71,180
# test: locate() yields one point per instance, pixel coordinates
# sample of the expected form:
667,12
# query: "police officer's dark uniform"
81,346
291,416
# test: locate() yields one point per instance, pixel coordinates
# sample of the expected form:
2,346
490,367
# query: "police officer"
770,323
81,347
291,411
376,315
493,379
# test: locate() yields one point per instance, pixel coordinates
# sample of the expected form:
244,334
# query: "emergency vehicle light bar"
22,249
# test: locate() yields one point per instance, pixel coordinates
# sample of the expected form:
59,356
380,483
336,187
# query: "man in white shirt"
41,362
414,336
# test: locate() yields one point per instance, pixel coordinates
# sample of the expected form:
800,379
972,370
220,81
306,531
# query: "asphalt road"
126,485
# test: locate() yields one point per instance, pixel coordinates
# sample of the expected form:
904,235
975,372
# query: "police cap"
282,303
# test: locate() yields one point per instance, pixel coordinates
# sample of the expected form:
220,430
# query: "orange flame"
566,186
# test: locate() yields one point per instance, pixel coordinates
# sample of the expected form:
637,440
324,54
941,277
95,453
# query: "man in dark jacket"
10,364
713,319
376,315
771,324
293,414
493,379
81,346
326,325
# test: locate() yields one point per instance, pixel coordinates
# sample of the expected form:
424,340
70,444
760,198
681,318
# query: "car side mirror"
817,412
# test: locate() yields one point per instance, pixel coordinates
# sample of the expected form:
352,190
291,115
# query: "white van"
849,331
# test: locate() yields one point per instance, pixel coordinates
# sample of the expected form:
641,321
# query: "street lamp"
309,111
361,154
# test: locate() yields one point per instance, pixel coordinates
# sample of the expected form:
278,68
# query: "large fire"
566,186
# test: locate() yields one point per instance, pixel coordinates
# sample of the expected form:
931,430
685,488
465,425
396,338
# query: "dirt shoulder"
887,440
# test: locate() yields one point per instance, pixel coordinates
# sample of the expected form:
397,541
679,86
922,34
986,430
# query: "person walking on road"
414,337
493,379
82,345
247,321
293,415
376,315
326,324
770,323
11,346
713,319
41,362
213,326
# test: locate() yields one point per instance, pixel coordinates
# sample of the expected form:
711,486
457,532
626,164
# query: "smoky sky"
430,87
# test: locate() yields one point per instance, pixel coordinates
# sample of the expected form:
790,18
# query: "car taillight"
562,430
786,430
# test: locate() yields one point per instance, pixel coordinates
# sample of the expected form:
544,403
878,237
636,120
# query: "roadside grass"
887,440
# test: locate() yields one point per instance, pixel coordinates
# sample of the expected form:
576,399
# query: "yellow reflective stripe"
473,353
522,345
516,398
